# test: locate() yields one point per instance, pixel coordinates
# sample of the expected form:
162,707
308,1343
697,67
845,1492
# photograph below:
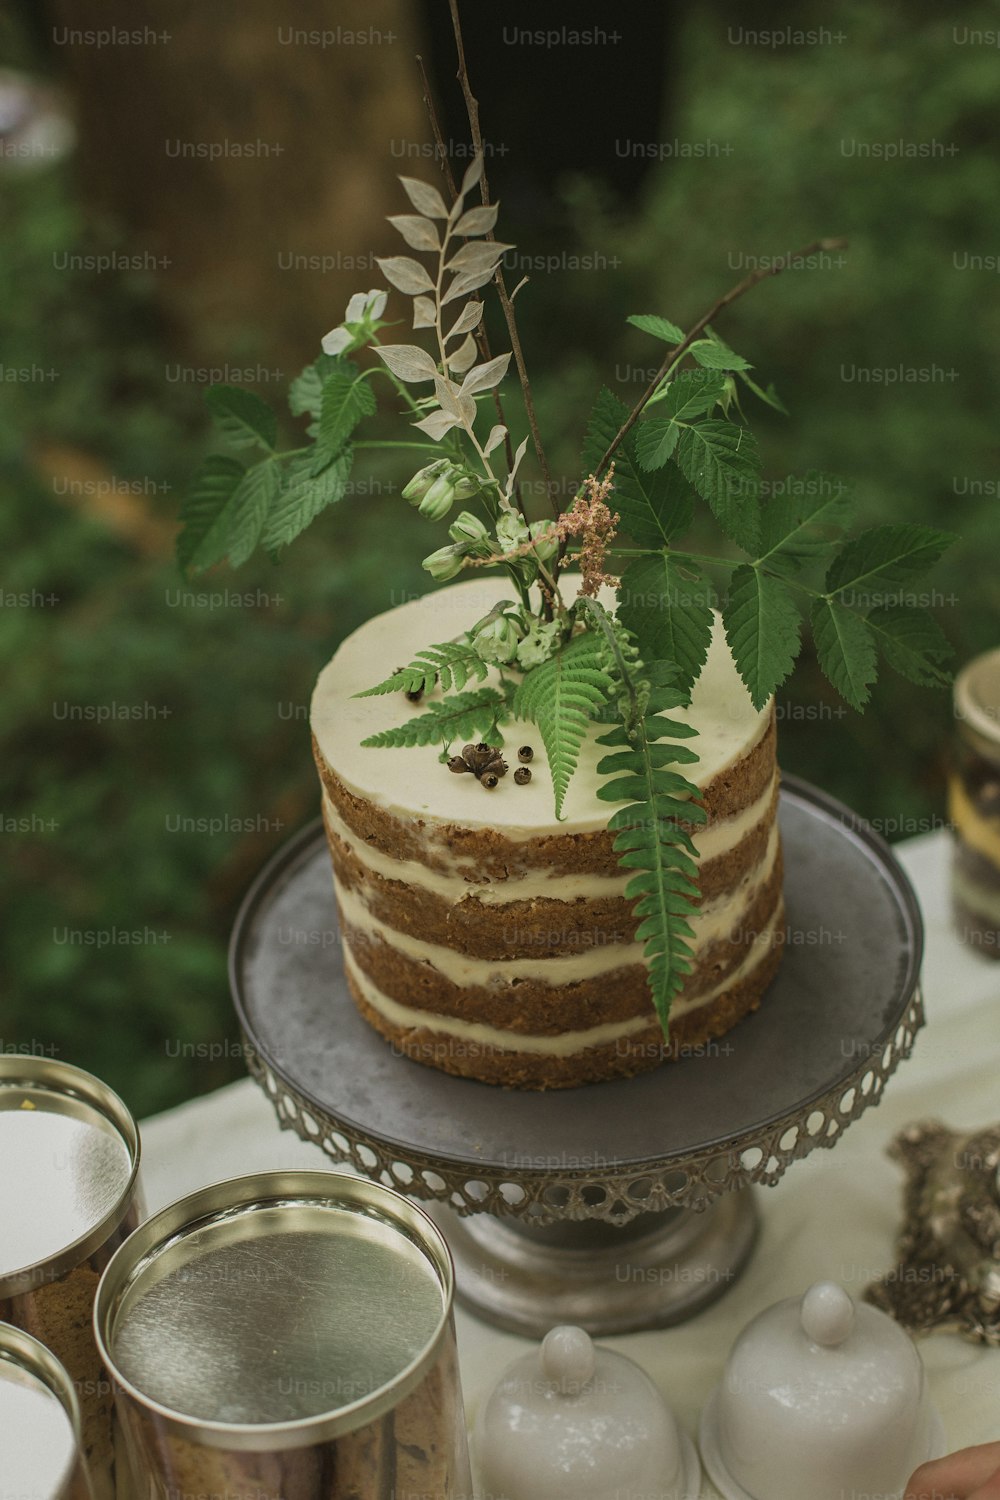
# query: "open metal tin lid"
277,1310
39,1421
69,1156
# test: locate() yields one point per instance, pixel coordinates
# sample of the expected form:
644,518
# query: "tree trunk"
248,159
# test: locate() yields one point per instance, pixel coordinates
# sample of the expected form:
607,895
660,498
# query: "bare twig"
681,349
481,336
472,109
435,124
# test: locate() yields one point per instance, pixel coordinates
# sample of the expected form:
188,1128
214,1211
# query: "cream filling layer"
463,970
461,883
717,921
569,1042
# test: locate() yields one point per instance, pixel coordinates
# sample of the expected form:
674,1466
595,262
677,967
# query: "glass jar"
974,804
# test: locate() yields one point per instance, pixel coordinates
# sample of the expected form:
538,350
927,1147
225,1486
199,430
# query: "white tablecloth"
834,1215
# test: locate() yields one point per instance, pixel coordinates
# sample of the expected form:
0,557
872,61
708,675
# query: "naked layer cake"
485,938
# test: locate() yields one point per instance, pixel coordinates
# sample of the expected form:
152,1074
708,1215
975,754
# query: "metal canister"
69,1160
287,1336
974,804
41,1447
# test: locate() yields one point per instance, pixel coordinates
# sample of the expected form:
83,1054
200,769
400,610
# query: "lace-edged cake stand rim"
837,1020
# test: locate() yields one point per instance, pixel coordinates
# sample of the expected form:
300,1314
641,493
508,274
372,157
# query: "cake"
482,936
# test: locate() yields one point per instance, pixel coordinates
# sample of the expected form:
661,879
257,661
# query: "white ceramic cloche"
822,1397
573,1421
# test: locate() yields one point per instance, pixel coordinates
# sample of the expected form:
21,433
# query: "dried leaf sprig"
457,378
433,230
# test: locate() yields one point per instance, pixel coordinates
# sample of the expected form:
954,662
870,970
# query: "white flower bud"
468,528
544,550
511,531
443,564
423,479
362,313
438,500
465,487
539,644
497,641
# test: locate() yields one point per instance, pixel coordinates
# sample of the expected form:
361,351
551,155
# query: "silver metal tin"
40,1439
274,1333
69,1163
69,1158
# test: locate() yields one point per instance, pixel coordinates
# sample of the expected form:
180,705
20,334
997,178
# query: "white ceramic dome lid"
823,1382
571,1419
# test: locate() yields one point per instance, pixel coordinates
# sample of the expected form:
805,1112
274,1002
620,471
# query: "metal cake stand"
619,1205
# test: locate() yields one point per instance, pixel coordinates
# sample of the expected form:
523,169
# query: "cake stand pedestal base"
660,1269
619,1205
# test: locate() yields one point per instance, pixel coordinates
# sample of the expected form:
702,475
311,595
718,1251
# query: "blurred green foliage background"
89,809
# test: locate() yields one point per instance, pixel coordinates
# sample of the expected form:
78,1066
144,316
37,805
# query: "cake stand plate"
575,1205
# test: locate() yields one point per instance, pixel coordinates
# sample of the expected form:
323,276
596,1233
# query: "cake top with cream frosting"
414,783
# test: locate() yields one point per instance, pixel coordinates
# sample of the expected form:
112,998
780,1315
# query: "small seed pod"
489,780
458,765
496,765
525,753
479,757
522,775
482,747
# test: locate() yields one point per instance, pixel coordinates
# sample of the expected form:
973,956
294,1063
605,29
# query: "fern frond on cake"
650,836
473,715
561,697
651,840
450,664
